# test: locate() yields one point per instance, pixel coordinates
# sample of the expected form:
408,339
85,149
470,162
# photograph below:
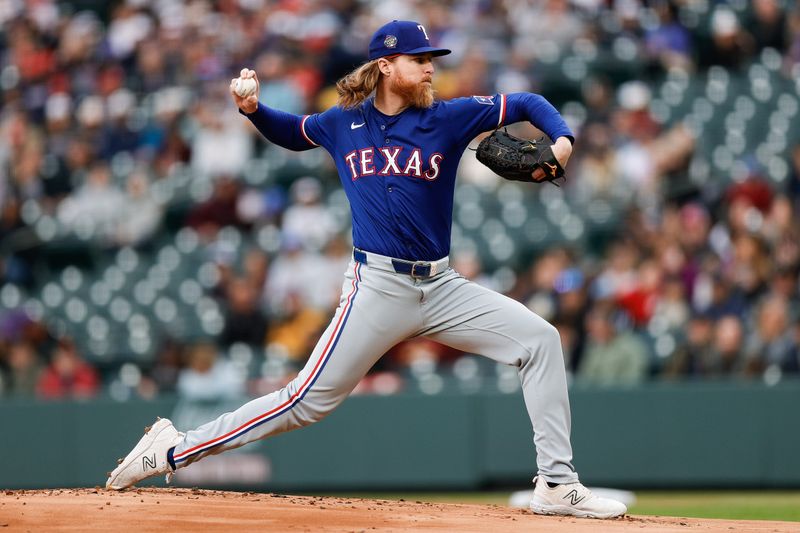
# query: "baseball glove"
517,159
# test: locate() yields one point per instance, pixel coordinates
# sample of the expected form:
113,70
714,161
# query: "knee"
551,337
314,408
307,414
544,341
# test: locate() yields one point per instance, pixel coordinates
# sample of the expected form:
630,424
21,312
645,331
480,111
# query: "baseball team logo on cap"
402,37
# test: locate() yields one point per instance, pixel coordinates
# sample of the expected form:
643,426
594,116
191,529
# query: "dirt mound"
155,509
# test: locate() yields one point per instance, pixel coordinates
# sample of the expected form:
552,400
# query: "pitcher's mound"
158,510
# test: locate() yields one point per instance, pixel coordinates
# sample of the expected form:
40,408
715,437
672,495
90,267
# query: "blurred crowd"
104,101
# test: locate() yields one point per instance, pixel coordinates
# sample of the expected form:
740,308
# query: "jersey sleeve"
538,111
472,115
293,131
320,129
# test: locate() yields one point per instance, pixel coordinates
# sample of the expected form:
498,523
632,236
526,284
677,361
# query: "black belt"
415,269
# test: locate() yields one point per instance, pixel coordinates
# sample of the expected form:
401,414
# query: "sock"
170,460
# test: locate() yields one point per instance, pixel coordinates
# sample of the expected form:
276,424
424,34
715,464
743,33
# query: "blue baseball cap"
402,37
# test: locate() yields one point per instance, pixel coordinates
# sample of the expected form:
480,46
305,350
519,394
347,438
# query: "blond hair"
354,88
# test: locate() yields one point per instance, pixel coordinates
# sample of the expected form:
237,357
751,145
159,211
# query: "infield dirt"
178,510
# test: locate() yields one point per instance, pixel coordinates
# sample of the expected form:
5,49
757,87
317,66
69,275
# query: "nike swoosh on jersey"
353,125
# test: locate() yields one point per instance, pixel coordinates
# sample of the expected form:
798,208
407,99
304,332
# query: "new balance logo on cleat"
148,462
574,498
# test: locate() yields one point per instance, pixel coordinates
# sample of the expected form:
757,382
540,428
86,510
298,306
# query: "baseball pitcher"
396,150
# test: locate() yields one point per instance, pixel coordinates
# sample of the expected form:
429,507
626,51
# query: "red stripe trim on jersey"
303,130
502,110
288,404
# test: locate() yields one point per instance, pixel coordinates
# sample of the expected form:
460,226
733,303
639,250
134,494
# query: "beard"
416,94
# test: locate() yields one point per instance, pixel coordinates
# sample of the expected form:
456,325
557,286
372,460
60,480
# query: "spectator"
731,45
298,274
162,378
752,265
694,352
79,157
150,67
572,301
308,219
255,268
244,321
784,282
68,375
277,88
468,264
727,356
219,210
598,95
27,179
636,157
619,273
15,261
335,257
718,296
596,170
793,53
140,216
221,144
59,138
669,43
641,299
614,355
207,376
771,343
297,328
118,136
24,369
553,18
128,26
95,206
780,233
536,289
671,307
16,326
768,25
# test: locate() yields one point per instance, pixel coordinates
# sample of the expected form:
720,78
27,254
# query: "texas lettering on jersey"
397,161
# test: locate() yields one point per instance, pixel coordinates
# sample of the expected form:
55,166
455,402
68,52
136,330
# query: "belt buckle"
425,267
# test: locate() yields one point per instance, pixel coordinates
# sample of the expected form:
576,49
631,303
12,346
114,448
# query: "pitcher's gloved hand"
519,159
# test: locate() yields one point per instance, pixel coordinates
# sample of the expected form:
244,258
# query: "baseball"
245,87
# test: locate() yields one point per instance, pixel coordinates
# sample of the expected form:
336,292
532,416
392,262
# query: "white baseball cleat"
148,458
572,499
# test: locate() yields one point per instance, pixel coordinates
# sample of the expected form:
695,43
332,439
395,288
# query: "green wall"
666,435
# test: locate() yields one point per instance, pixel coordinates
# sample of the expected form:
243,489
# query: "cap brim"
436,52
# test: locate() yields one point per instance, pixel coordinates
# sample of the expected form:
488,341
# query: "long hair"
355,87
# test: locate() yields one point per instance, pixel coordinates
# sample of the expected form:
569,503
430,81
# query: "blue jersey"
399,171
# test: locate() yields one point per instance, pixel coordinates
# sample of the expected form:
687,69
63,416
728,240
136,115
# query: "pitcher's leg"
477,320
344,353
